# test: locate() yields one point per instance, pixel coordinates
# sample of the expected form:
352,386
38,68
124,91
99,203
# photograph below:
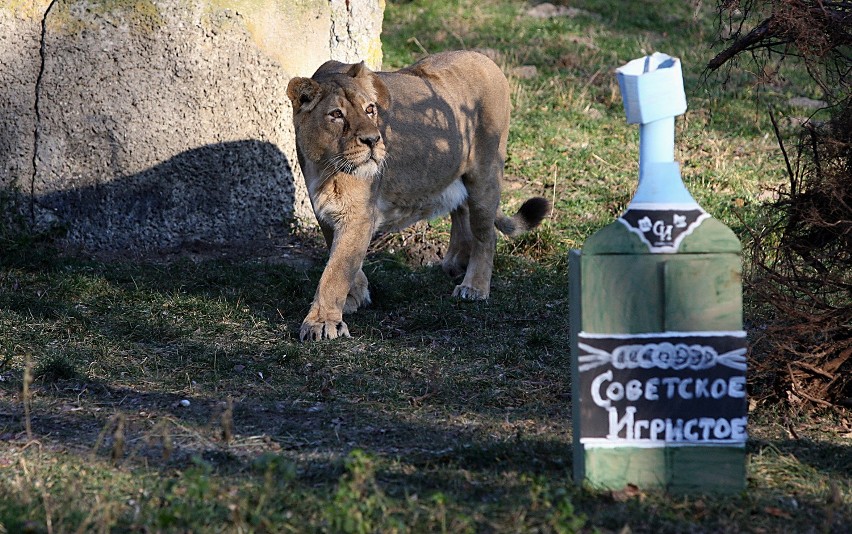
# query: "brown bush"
801,269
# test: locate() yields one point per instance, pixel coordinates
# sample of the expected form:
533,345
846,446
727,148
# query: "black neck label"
663,229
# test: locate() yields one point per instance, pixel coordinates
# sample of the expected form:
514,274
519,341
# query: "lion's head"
336,114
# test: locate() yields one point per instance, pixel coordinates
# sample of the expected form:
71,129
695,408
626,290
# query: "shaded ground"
187,373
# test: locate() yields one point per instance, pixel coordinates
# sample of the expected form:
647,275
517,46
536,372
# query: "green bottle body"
620,287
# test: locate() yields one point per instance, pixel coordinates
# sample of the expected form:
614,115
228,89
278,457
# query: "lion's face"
336,115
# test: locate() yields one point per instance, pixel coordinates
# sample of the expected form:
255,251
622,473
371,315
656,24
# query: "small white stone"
184,402
807,103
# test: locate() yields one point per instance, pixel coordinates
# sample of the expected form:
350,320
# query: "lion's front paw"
316,331
358,297
353,303
359,294
469,293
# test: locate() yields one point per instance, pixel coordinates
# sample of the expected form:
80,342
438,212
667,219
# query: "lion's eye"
371,110
336,114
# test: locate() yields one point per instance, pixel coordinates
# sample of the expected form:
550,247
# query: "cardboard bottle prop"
657,340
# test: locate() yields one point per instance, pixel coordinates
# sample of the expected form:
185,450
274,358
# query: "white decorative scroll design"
664,355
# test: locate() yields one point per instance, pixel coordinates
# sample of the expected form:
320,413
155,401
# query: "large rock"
143,124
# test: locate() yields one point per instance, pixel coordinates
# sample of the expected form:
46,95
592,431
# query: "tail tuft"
528,217
533,211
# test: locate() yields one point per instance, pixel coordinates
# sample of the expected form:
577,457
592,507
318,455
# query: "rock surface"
151,124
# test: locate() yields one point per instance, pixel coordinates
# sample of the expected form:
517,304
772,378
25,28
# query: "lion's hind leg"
482,204
458,253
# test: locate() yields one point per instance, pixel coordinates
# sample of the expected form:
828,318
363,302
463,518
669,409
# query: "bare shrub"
801,268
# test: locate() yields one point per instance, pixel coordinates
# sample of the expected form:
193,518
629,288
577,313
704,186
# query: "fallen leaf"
629,491
777,512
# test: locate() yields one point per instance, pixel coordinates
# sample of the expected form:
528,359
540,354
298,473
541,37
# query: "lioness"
383,150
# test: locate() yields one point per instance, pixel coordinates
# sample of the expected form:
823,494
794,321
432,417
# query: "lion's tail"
528,217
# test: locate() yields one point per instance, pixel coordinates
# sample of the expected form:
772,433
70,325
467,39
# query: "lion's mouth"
368,168
369,165
365,164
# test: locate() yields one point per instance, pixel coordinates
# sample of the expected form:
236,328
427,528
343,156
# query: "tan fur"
383,150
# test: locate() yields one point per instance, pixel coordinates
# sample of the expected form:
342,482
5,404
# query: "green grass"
439,415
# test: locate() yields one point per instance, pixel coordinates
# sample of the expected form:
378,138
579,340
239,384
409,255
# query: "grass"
174,396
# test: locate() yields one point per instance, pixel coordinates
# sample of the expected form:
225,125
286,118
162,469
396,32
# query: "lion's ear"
360,70
304,94
383,97
330,68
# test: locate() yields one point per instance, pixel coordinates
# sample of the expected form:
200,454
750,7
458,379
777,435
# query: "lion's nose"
370,140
